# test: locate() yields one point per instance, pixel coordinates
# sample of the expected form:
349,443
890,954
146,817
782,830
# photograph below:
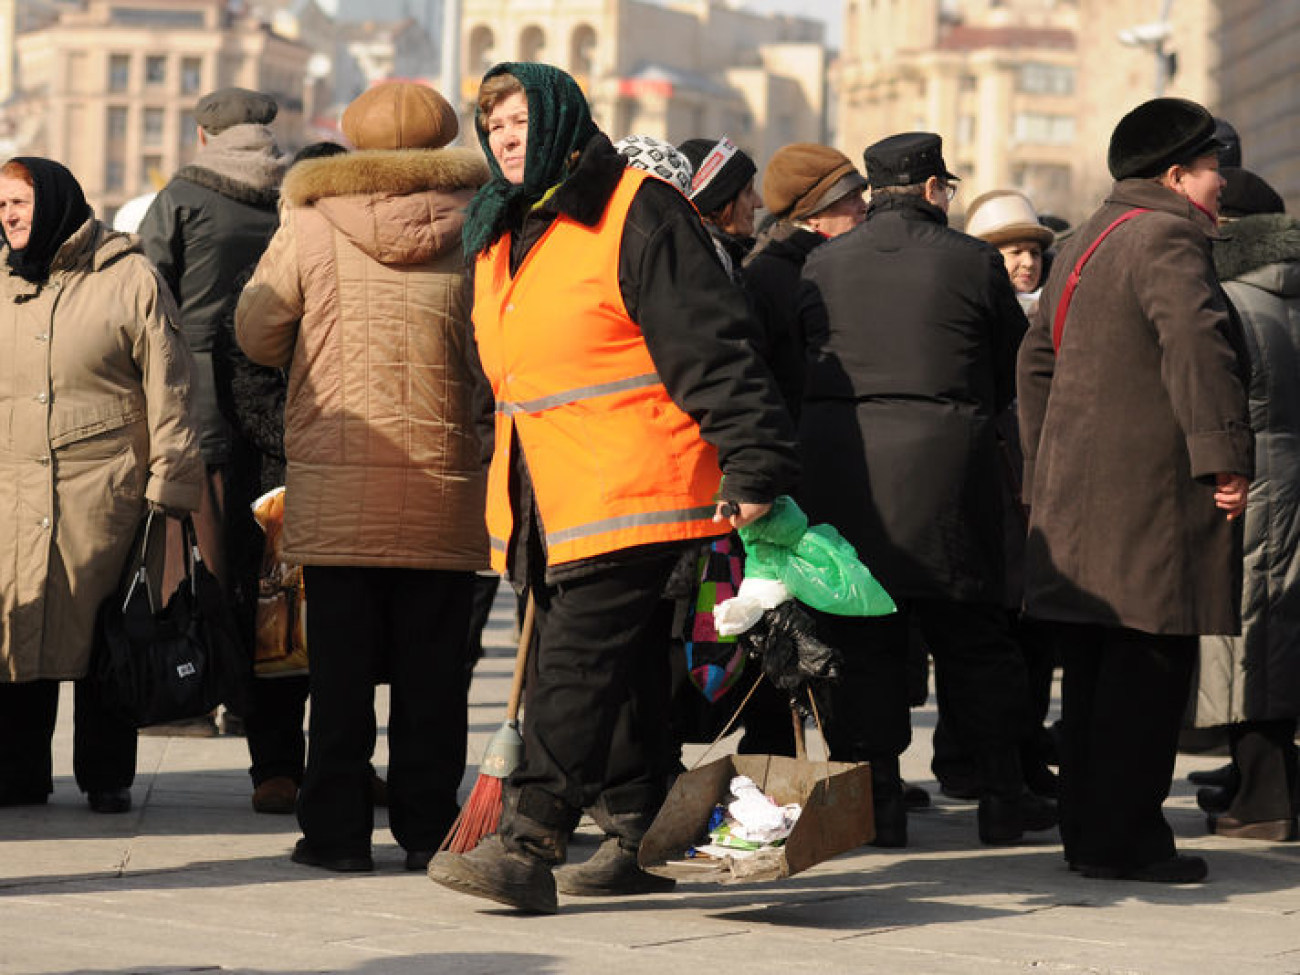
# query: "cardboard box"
836,817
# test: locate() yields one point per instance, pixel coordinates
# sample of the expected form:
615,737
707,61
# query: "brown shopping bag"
280,647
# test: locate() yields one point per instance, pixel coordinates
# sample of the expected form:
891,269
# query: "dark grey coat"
912,333
1124,431
1256,676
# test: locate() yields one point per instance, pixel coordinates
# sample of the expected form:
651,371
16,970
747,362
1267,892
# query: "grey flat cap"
219,110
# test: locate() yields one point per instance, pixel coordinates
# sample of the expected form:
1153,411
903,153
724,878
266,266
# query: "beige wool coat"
95,418
360,295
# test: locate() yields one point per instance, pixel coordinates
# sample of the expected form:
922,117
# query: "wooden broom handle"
521,660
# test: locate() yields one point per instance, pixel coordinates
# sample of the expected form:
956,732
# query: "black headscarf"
60,209
559,124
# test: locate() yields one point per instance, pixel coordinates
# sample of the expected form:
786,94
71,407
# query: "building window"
968,82
155,70
115,128
1037,129
191,75
119,72
114,176
482,47
582,51
1045,79
151,172
966,130
532,44
153,127
189,130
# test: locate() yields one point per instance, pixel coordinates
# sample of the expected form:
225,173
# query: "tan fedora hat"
1003,216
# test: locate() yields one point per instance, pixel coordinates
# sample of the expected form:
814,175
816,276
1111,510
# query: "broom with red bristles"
481,814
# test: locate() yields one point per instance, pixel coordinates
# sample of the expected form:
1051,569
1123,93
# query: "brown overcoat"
1124,430
95,417
360,294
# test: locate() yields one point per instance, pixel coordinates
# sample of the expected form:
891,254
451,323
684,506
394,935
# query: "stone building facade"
114,86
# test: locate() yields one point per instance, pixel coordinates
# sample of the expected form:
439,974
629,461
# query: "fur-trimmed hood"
399,206
1256,242
384,172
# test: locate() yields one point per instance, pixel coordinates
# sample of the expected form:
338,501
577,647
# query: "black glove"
784,641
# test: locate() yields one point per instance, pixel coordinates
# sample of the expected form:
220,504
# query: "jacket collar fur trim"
263,197
585,194
384,172
1256,241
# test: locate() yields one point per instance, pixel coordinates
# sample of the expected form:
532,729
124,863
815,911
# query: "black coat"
201,231
772,276
913,330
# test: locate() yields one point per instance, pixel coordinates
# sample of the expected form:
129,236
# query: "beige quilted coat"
95,417
360,294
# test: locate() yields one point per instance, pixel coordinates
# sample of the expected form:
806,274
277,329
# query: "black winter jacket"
772,276
913,331
201,231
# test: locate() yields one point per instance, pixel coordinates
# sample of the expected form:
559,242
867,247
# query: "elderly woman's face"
1024,260
17,203
507,131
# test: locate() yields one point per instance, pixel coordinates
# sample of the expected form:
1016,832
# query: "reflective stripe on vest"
613,461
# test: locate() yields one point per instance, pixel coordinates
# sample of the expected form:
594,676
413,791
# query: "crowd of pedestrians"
583,362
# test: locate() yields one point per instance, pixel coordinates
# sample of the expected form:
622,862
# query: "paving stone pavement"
191,880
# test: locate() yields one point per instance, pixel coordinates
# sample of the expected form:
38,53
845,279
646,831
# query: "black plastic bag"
158,665
784,641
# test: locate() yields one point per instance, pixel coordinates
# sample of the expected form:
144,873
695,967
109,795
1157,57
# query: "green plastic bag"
815,563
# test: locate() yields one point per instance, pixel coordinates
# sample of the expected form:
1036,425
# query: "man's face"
841,216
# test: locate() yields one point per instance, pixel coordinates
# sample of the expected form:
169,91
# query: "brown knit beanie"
400,115
804,178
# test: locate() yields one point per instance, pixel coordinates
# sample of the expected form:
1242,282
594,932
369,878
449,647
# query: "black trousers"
979,679
596,731
954,760
1123,694
416,621
273,726
1264,753
103,745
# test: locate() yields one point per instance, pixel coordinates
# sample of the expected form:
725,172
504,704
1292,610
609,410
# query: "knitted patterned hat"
658,158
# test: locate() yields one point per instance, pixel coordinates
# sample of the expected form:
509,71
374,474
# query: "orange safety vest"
613,461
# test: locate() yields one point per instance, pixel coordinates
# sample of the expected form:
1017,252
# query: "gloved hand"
784,641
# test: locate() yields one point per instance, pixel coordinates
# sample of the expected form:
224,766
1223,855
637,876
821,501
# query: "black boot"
612,872
490,870
888,803
1007,809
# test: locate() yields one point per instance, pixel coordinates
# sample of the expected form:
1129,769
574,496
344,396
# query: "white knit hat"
658,158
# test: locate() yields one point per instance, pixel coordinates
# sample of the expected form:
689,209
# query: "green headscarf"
559,124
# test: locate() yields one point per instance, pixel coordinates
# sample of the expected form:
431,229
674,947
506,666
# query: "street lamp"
1153,36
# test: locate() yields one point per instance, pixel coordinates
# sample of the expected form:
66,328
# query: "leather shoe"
109,801
277,796
1003,820
307,855
1178,869
1214,798
1219,777
418,859
1272,830
914,797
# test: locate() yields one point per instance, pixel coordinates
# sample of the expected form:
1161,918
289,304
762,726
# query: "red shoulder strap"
1063,306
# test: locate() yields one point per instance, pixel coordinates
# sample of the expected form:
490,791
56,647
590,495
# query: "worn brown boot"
492,871
277,796
611,872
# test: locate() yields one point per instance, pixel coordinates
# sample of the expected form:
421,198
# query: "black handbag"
158,665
